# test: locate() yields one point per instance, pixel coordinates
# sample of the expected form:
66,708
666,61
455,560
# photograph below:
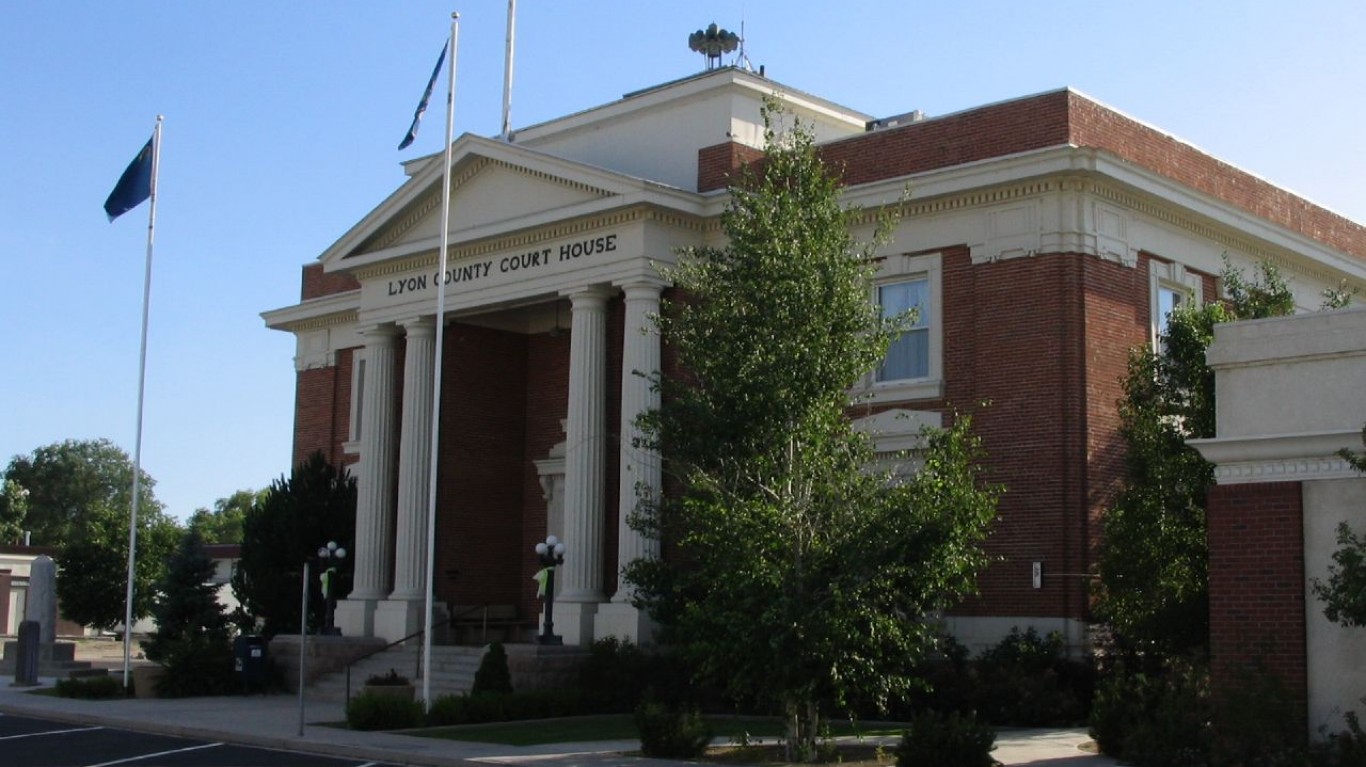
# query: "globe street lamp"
551,553
327,555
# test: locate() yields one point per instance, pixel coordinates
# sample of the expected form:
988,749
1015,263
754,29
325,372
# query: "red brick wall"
1096,126
317,283
546,404
1058,118
978,134
1256,582
716,164
1044,342
483,435
322,411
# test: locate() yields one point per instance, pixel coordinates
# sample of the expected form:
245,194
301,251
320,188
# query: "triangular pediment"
485,192
496,188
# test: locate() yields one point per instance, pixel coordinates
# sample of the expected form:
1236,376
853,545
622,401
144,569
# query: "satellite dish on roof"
712,42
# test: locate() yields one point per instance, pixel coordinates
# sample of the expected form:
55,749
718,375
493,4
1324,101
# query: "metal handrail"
418,669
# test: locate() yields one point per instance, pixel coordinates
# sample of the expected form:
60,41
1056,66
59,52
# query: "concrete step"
452,671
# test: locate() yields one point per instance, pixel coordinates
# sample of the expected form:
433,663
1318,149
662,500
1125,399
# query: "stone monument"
55,659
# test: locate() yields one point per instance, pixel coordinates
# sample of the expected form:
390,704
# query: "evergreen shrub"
379,712
91,688
671,733
505,707
493,675
952,740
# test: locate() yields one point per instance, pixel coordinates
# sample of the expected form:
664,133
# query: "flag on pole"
426,96
135,185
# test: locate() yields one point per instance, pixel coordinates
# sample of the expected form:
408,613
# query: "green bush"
623,675
1027,681
197,666
91,687
671,733
493,675
382,712
936,740
1154,720
1257,722
506,707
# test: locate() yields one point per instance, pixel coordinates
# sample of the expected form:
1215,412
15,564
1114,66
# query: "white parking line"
48,732
150,756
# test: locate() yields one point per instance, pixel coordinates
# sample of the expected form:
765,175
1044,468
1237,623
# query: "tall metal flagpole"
440,353
507,71
142,379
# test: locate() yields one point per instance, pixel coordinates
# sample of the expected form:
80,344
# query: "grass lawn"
622,727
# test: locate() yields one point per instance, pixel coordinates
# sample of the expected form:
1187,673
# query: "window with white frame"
1170,287
913,367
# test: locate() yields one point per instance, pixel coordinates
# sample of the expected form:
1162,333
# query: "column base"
398,618
574,621
624,621
355,617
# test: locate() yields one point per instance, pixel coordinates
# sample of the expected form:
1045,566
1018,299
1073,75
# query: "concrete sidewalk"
272,721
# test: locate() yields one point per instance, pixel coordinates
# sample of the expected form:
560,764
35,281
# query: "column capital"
424,325
589,295
378,332
642,286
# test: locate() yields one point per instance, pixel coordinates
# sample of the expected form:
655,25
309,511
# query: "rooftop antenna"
712,43
743,58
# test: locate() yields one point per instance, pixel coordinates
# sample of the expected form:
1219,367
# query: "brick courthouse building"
1043,238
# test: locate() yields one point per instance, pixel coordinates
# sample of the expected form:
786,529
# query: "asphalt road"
26,742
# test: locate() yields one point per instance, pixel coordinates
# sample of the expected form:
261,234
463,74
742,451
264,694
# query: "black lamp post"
326,556
551,553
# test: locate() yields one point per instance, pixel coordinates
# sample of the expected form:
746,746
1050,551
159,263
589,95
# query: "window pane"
1167,301
909,355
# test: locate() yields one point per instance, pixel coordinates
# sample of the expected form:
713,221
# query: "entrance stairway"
452,670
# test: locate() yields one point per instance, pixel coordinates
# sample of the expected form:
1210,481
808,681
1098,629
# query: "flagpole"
440,353
507,71
142,379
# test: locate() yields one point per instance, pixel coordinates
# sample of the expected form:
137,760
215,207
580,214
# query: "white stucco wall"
1336,662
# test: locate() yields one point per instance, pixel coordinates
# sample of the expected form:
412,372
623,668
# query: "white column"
401,614
374,509
640,475
584,462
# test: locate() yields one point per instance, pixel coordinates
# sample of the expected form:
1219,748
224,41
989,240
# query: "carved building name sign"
527,262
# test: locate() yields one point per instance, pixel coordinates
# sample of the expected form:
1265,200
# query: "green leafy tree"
191,639
314,505
801,576
1154,557
75,496
70,484
13,509
224,523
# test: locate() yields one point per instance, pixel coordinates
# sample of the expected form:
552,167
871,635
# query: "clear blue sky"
282,120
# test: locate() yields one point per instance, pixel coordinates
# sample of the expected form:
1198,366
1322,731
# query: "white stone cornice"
1001,181
1280,457
315,313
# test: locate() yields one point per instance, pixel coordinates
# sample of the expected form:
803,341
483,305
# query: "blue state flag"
426,96
135,185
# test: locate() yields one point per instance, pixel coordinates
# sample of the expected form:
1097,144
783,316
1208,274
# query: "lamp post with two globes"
326,556
551,553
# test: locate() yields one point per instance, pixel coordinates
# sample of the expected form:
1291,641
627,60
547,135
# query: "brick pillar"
1256,582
